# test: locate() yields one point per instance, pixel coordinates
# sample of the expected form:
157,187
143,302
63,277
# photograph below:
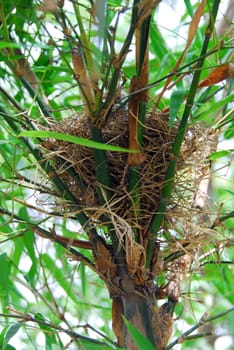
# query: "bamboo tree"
90,170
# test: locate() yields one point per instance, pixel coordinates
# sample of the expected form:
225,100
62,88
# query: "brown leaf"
138,157
194,23
85,85
104,263
117,320
134,253
166,323
179,269
192,31
48,5
220,73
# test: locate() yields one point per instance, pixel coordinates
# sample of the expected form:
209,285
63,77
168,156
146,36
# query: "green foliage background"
38,279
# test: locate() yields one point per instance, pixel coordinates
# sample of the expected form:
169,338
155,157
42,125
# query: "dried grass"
156,147
157,144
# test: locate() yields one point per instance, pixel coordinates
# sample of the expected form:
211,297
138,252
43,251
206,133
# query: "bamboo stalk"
137,158
102,170
137,111
171,170
117,64
83,81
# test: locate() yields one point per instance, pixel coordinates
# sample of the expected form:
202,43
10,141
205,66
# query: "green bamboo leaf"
4,275
228,191
176,101
220,154
100,13
229,133
13,45
156,37
10,347
48,332
39,317
216,106
83,279
9,333
74,139
222,278
6,58
29,240
9,44
140,340
92,346
189,7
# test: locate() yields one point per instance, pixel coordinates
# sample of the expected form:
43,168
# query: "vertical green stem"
121,58
104,185
102,170
170,174
133,172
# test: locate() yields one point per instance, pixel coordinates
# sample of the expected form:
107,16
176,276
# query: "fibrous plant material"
156,148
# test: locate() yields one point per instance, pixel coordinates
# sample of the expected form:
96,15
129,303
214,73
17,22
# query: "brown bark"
134,158
141,311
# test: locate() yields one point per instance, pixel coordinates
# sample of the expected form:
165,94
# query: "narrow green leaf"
83,279
9,44
92,346
220,154
10,332
49,342
28,241
189,7
176,101
229,191
4,275
74,139
38,316
48,332
216,106
100,13
160,50
10,347
140,340
13,45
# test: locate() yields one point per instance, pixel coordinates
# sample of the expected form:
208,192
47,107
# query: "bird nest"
76,166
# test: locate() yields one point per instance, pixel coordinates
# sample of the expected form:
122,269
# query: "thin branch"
178,72
201,322
220,219
63,241
11,99
49,170
87,325
29,318
24,182
35,95
196,336
34,291
217,262
117,64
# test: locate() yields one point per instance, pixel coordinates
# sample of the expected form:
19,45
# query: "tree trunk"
141,311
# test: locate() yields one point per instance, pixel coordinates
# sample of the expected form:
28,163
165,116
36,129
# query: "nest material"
75,165
156,147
